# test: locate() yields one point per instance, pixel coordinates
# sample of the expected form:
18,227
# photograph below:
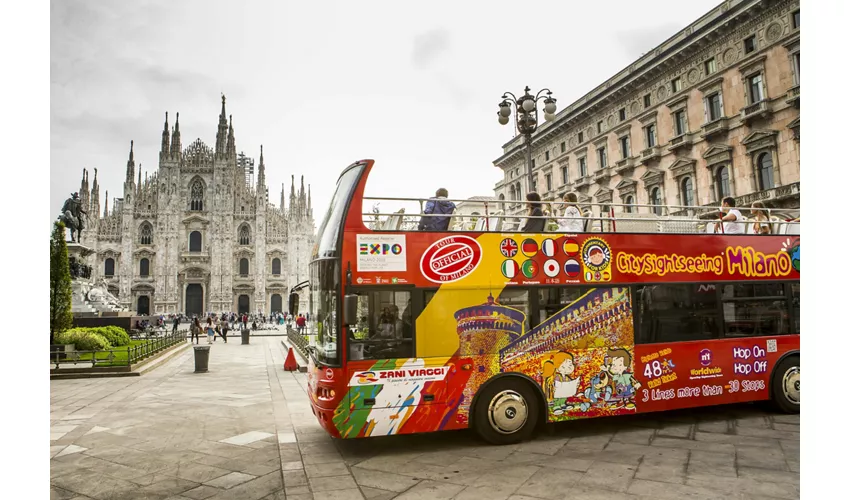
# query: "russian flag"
510,268
548,247
572,268
530,248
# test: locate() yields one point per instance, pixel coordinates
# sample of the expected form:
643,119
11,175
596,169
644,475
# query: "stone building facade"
714,111
196,236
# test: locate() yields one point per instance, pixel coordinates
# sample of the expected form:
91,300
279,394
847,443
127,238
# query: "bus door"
383,369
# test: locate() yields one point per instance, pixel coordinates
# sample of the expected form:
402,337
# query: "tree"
60,283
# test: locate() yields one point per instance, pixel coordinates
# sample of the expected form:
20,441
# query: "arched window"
145,234
687,192
722,182
109,267
243,266
655,199
245,235
630,201
276,266
195,241
144,267
764,166
196,196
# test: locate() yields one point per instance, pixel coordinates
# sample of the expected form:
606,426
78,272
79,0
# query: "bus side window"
676,313
795,307
755,309
384,327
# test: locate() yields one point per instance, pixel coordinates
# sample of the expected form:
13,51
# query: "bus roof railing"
640,218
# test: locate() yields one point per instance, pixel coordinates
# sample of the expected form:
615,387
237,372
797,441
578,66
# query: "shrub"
60,283
84,339
116,335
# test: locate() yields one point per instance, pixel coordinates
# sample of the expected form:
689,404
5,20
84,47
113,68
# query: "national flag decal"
510,269
508,247
572,268
551,267
364,249
571,247
548,247
530,248
529,269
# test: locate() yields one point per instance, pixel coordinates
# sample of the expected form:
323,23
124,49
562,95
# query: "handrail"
134,353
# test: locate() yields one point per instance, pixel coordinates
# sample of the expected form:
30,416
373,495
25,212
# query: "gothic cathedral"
198,236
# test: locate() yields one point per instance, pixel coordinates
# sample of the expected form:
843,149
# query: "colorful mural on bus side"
583,357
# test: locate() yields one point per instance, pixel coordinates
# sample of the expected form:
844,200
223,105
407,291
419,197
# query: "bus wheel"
786,385
506,411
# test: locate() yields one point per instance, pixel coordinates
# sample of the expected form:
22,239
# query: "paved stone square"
245,431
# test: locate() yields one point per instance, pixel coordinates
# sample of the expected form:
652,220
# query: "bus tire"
786,385
506,411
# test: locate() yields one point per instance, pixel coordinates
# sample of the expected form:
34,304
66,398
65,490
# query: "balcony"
625,165
194,257
756,111
650,154
777,193
793,96
243,278
681,141
564,188
716,127
583,182
602,174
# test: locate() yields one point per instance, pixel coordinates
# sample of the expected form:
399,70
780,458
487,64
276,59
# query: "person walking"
300,323
224,327
196,330
176,324
210,331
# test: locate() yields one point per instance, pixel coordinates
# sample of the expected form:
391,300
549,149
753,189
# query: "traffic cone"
290,364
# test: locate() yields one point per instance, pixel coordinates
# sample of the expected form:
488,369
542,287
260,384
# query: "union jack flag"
508,247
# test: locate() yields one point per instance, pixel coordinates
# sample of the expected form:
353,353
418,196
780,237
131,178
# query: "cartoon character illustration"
614,384
596,257
558,382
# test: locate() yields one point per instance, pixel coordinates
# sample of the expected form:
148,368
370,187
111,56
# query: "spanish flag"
570,247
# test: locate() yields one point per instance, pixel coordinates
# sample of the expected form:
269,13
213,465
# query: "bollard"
245,334
202,358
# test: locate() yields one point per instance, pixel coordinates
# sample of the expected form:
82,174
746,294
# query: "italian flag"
510,268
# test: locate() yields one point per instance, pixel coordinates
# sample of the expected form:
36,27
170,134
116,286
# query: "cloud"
640,41
428,46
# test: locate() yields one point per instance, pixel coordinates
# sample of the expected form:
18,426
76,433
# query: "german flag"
530,248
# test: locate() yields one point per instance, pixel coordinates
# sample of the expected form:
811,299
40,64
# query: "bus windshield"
325,271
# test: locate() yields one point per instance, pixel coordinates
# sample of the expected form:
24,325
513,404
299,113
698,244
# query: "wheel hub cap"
791,385
507,412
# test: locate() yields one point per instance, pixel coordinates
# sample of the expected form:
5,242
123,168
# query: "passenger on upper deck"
572,220
732,220
536,223
437,205
762,224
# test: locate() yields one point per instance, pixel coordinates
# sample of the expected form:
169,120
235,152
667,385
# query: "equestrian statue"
72,216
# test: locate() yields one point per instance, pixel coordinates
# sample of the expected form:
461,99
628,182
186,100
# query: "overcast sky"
414,86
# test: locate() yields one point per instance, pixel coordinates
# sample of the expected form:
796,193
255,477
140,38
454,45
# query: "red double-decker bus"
422,331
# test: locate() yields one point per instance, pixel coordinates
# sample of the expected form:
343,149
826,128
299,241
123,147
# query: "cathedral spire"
94,208
131,165
282,197
176,145
261,173
164,149
309,201
106,206
221,135
231,140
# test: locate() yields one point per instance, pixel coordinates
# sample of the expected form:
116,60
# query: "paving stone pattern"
245,431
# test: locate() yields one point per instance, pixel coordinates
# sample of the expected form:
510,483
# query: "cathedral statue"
72,215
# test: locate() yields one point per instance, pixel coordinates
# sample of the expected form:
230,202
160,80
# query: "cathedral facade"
199,235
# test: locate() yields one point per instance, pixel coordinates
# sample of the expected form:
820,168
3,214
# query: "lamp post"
526,118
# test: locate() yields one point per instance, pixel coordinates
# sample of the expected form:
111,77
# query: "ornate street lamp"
526,118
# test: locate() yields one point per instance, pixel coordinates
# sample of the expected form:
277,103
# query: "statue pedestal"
81,252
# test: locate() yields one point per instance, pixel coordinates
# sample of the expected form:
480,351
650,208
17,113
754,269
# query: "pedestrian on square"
196,331
176,323
210,331
217,327
224,327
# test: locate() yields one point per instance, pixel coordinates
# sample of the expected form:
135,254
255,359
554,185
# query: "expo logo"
450,259
380,249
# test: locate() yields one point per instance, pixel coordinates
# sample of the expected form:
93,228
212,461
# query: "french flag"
548,247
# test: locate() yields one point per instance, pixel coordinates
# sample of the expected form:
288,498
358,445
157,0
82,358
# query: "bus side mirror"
293,304
349,310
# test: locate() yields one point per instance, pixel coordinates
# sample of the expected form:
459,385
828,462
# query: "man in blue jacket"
438,205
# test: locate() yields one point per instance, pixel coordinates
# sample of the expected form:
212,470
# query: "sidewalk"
231,433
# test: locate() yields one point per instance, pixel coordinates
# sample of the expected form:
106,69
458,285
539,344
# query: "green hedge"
116,335
84,339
